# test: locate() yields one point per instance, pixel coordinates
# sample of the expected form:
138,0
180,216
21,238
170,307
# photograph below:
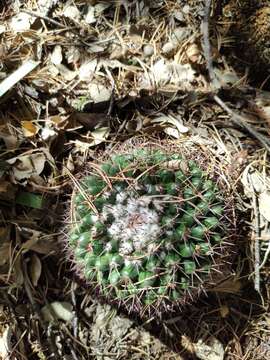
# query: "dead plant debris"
76,79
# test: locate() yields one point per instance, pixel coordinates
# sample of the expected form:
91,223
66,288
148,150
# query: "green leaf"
29,199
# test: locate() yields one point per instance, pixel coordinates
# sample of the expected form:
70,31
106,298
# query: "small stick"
206,44
240,120
256,243
32,13
36,310
267,251
236,118
54,22
75,320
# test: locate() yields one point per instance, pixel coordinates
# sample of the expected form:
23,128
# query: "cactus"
148,229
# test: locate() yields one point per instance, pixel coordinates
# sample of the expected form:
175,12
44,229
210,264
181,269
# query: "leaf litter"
99,74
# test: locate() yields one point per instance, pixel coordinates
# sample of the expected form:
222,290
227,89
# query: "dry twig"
236,118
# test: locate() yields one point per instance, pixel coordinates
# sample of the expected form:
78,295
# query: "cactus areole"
149,230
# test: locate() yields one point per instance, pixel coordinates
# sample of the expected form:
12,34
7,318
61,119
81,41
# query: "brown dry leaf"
4,234
69,166
18,271
252,181
35,269
9,137
90,120
98,136
30,164
166,121
26,165
231,285
187,344
193,53
7,191
29,129
4,253
224,311
39,242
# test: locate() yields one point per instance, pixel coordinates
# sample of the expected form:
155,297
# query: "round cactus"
148,229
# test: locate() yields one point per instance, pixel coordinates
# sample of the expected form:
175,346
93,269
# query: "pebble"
168,48
180,34
148,50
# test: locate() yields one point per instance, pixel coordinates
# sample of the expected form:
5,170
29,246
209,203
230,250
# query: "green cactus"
147,229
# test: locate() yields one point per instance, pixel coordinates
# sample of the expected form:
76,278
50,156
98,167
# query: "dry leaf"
4,253
18,272
90,120
264,204
39,242
90,17
45,6
7,191
166,120
252,181
10,138
57,310
67,74
4,234
231,285
213,350
26,165
98,136
30,164
21,22
56,55
2,28
167,73
193,53
87,70
72,12
99,92
35,269
5,343
29,129
224,311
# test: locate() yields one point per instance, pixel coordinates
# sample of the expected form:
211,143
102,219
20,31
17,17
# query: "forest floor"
78,77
